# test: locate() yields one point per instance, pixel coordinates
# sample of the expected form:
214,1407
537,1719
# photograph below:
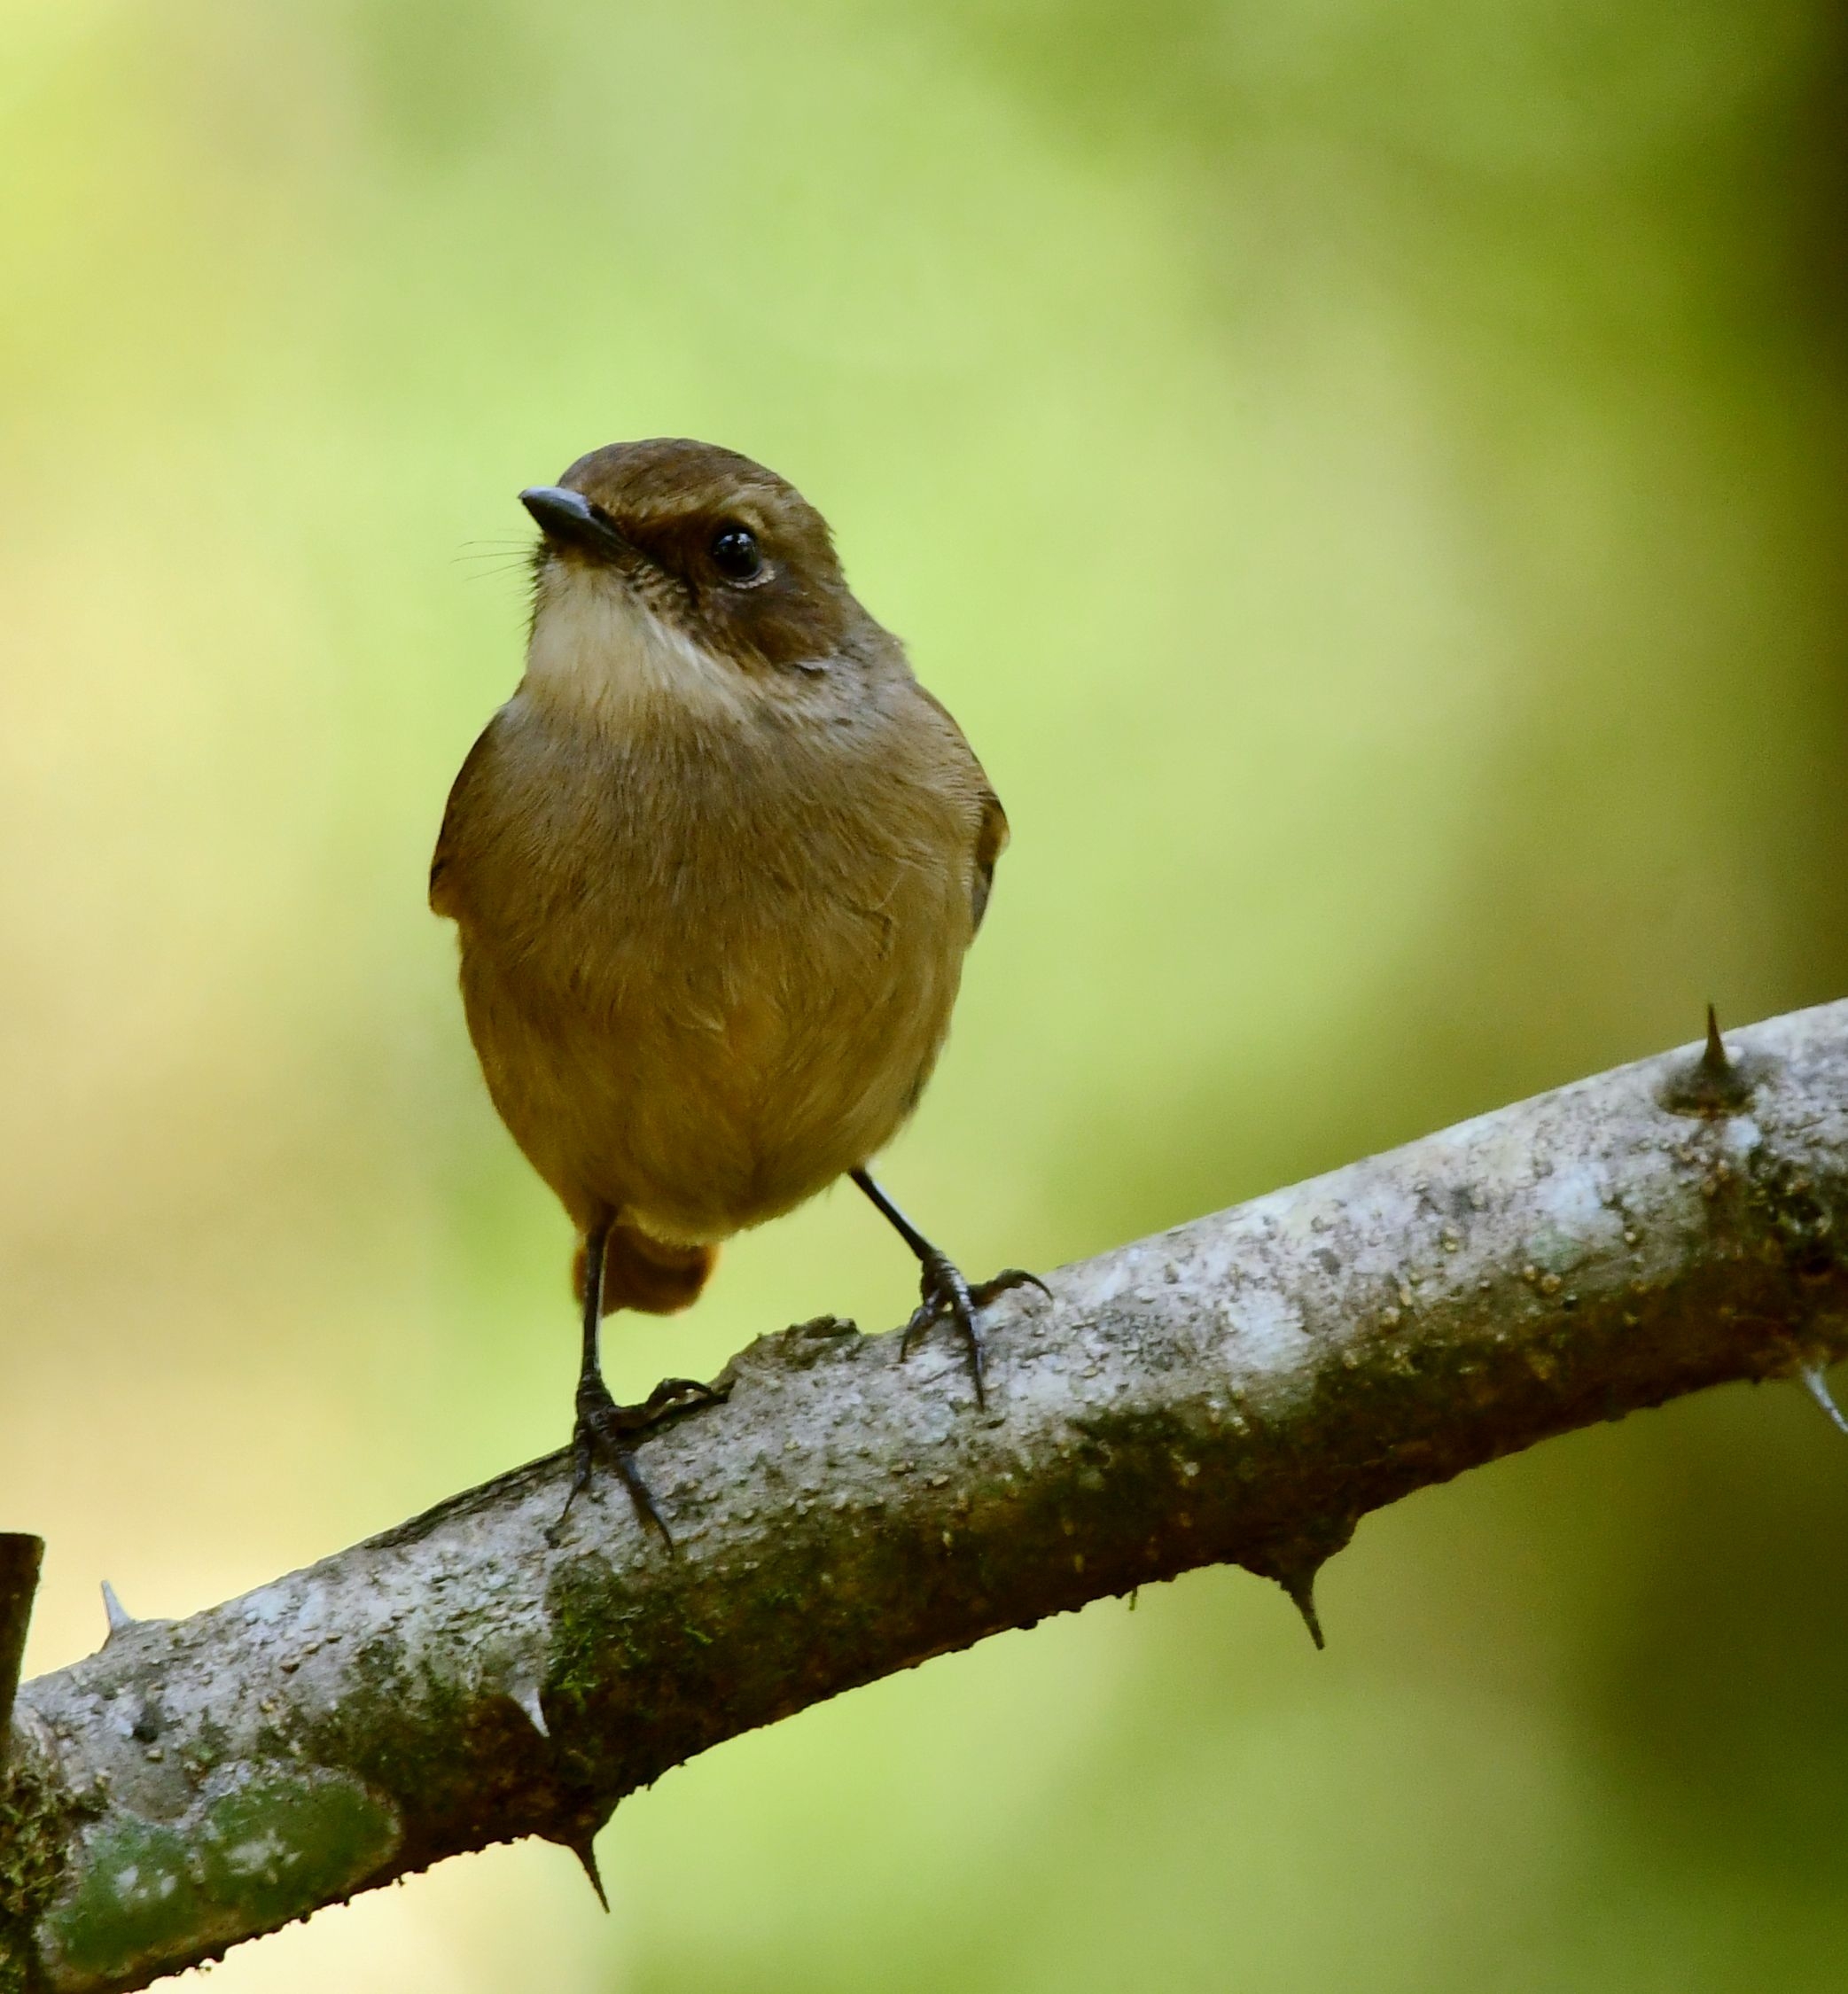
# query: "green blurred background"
1368,476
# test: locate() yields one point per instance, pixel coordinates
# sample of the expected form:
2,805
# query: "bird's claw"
985,1292
947,1294
604,1428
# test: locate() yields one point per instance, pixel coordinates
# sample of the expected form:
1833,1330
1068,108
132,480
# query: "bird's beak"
568,518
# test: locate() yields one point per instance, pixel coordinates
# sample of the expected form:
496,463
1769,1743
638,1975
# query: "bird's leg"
943,1289
601,1426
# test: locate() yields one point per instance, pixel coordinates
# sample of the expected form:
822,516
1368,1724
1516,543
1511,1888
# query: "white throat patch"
596,647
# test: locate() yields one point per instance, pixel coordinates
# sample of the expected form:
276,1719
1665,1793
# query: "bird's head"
688,548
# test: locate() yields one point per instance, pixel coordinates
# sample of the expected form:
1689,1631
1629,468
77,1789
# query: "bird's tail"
648,1275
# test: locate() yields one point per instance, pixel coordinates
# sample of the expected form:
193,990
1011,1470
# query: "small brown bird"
713,868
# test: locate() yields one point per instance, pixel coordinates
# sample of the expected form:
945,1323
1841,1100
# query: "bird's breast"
719,962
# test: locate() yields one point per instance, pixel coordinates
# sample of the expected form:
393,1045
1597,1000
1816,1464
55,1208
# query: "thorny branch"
1241,1389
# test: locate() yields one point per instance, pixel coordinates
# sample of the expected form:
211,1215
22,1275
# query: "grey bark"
1241,1389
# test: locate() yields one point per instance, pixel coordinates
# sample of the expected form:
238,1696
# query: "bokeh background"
1368,476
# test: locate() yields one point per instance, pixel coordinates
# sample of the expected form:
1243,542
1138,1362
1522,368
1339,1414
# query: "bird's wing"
444,883
991,841
991,835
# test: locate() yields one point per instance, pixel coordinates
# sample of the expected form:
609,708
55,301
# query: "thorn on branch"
20,1556
581,1841
1713,1083
1816,1379
1301,1589
1296,1565
120,1620
524,1696
1714,1058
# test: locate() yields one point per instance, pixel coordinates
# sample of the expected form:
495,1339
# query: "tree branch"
1241,1389
20,1558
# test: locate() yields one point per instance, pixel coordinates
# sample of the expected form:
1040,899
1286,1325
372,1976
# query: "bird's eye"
736,554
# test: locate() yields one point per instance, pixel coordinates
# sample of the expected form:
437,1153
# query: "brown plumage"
713,868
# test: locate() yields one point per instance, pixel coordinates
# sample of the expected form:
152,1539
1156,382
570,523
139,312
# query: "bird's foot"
606,1430
946,1295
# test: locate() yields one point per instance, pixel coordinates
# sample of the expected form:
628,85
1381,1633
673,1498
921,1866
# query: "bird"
713,868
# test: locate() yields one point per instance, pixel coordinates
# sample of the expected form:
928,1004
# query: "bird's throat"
599,652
